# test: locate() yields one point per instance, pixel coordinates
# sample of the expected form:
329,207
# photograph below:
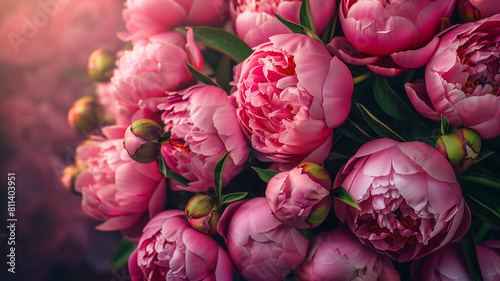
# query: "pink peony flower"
169,249
115,188
473,10
411,203
462,78
448,263
147,18
261,247
338,255
389,36
203,126
152,67
291,94
300,197
254,20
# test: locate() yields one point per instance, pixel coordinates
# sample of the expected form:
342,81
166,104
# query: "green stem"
362,77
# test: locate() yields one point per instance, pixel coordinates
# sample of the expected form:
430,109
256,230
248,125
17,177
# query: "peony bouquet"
296,140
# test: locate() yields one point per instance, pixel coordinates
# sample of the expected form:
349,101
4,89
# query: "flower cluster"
294,105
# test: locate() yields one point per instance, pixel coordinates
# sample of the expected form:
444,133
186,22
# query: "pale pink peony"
204,127
448,263
300,197
146,18
291,94
338,255
152,67
462,78
411,203
115,188
254,20
169,249
260,246
389,37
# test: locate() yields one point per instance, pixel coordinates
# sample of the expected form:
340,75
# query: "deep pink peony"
462,78
291,94
115,188
169,249
204,127
389,36
152,67
261,247
300,197
254,20
146,18
338,255
411,203
448,263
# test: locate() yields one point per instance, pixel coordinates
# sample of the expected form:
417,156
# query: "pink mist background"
44,48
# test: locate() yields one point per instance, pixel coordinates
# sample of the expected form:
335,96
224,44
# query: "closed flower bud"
86,114
300,197
141,140
461,147
69,175
203,214
101,65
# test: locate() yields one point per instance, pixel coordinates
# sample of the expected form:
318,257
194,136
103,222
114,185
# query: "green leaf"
305,16
330,28
220,40
165,137
198,75
468,243
265,174
233,197
341,194
307,234
297,28
378,126
122,254
481,210
353,131
390,102
445,125
218,173
224,73
171,174
481,179
483,155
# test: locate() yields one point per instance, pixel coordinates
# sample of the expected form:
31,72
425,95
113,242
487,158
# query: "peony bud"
300,197
69,175
461,147
141,140
86,114
203,214
101,65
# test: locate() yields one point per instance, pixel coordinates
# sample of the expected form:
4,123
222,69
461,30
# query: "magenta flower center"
480,56
157,256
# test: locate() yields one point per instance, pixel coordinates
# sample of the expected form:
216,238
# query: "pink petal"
342,48
415,58
420,99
